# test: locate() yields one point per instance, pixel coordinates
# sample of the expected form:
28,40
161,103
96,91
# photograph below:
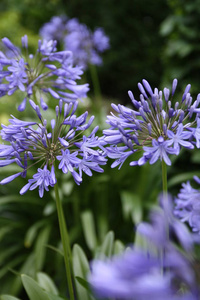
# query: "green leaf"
40,249
46,283
8,297
55,297
167,26
81,269
89,229
55,249
34,291
107,245
32,233
19,199
181,178
84,283
131,205
118,247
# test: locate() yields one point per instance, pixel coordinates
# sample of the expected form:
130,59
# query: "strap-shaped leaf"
89,229
8,297
34,291
107,245
46,283
81,269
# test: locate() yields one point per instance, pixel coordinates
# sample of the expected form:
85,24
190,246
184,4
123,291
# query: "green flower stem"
164,177
96,84
164,180
65,241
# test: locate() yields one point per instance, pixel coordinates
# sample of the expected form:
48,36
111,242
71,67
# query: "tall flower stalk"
65,242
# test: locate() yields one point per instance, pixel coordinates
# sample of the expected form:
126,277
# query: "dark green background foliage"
156,40
181,52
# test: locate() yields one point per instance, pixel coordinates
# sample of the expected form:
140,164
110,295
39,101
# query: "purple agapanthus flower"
187,205
47,72
55,29
86,45
157,271
62,145
157,126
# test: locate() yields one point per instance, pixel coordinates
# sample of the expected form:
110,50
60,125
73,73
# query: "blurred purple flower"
155,128
157,271
55,29
78,38
84,44
32,143
187,205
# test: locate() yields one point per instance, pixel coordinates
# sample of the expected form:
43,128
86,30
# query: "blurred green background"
155,40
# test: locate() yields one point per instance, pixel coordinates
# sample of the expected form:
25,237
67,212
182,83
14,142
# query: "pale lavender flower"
157,271
157,126
59,143
100,40
55,29
178,139
85,45
187,205
46,73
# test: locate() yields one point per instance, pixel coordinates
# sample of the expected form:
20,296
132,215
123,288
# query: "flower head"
47,72
78,38
157,127
187,205
55,29
85,45
62,145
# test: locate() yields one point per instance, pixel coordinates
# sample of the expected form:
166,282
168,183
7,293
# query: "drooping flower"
86,45
61,145
157,127
158,271
187,205
46,73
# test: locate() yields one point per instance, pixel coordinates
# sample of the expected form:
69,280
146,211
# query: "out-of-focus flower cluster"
158,126
47,72
60,145
86,45
157,271
187,205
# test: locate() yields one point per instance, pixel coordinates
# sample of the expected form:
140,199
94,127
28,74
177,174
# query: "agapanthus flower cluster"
55,29
158,125
78,38
47,72
158,271
187,205
61,145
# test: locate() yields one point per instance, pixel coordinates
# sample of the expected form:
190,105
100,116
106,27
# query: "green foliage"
181,50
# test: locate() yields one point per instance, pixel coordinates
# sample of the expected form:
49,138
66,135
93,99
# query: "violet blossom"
60,144
155,128
46,73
